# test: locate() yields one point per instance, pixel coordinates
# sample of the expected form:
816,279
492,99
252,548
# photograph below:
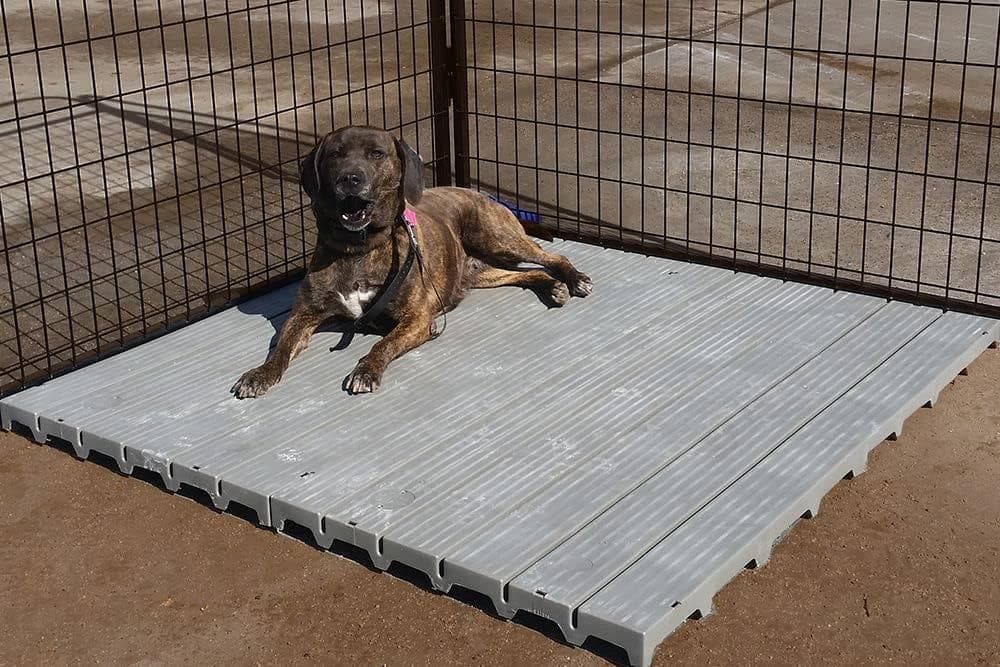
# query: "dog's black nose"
350,182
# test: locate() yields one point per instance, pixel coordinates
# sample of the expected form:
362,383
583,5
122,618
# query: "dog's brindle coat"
359,180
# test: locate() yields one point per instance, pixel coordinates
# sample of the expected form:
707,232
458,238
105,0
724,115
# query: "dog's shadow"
346,329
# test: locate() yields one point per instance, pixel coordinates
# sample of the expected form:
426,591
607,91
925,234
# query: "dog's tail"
536,230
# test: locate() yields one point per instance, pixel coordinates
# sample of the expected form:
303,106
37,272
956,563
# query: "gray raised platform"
609,465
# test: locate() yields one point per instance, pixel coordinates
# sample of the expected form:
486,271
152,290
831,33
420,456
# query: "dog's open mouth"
355,213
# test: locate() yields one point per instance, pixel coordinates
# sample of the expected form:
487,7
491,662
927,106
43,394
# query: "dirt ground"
764,139
902,564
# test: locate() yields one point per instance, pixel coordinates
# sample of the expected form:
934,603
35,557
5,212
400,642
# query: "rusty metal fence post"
449,91
441,67
459,94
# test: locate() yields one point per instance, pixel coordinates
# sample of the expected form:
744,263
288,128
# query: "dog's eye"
377,154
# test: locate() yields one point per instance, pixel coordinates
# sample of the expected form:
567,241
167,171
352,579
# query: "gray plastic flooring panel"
608,465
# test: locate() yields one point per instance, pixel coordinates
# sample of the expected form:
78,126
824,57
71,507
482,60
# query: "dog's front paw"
582,286
362,380
255,382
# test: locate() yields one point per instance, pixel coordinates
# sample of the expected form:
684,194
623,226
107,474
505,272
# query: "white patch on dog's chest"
355,302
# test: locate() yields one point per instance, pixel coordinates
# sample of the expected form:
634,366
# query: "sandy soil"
902,564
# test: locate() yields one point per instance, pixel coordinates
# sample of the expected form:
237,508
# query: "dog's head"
361,177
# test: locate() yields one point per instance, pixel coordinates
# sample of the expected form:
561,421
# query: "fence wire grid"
152,154
152,146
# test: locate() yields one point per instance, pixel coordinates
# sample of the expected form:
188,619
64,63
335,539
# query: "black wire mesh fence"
151,148
151,153
849,142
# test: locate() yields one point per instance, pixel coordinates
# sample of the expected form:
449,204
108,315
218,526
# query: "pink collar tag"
410,216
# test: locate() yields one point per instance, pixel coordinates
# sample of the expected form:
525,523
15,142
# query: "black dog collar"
367,319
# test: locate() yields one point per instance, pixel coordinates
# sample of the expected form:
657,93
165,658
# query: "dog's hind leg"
552,292
525,250
498,239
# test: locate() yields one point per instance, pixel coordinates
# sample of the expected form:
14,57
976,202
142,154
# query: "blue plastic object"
524,216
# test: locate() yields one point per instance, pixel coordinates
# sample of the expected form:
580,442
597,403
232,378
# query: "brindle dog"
360,180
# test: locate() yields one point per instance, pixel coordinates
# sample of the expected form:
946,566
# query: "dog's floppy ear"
309,174
412,181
